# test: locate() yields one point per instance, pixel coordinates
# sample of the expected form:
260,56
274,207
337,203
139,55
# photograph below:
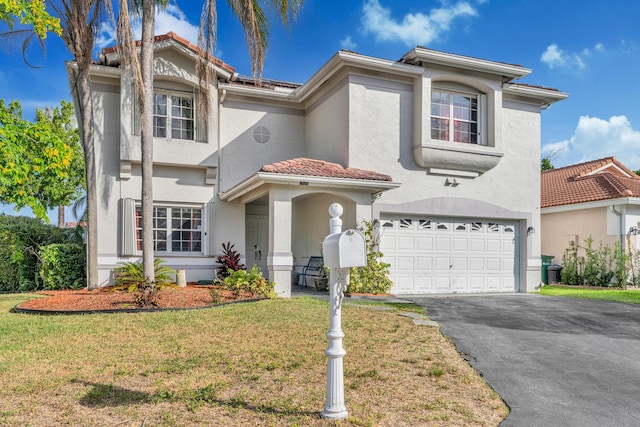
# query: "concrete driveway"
555,361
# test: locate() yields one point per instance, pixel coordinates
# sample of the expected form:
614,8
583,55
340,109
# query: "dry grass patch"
248,364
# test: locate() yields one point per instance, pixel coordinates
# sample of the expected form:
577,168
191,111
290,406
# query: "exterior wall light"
634,230
531,231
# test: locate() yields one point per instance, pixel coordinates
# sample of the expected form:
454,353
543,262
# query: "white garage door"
436,255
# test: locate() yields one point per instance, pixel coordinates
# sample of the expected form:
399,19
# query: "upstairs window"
454,117
173,116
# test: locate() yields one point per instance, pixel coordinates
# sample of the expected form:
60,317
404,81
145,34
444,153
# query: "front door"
257,242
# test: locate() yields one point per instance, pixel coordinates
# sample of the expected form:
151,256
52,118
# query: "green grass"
620,295
260,363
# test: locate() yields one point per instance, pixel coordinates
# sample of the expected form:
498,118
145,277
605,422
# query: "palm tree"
256,29
80,21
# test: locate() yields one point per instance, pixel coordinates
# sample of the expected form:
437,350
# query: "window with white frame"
173,116
175,229
454,116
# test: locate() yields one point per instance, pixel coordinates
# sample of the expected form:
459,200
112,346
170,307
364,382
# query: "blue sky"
590,51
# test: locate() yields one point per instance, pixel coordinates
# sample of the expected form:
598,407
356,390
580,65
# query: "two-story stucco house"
442,149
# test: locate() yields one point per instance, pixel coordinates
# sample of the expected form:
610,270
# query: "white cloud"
415,28
170,19
348,44
555,57
595,138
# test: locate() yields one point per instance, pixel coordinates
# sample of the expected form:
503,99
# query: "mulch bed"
106,300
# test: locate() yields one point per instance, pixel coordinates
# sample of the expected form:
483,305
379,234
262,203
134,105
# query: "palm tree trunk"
61,216
83,87
146,64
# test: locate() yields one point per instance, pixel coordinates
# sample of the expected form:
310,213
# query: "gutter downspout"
621,233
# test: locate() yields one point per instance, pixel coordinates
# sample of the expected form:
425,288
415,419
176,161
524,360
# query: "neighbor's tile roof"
601,179
312,167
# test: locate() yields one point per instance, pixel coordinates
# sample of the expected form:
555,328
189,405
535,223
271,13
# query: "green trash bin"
546,262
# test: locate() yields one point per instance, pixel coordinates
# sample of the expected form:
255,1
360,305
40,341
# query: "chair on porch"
312,269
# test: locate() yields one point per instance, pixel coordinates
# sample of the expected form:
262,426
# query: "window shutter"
210,212
127,227
483,128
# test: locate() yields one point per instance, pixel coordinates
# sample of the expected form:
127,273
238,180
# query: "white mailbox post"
341,251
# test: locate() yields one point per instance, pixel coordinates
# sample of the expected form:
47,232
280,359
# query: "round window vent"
261,134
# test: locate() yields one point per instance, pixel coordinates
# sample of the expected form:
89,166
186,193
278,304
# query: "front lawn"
619,295
252,364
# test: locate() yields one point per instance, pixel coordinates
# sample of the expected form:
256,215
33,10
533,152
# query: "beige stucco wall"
561,228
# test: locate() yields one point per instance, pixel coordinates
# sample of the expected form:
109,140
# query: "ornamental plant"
129,276
251,281
229,261
374,277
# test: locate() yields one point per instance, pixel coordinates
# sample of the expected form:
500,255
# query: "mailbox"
344,250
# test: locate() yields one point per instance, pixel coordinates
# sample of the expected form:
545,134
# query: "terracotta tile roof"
173,36
601,179
312,167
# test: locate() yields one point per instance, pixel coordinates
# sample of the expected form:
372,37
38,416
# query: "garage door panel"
404,264
476,264
441,264
405,243
442,244
476,245
460,245
424,263
424,243
493,245
459,264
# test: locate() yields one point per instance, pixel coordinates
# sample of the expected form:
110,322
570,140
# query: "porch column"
280,258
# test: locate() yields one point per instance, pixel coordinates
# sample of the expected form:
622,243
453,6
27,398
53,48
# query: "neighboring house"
443,149
598,199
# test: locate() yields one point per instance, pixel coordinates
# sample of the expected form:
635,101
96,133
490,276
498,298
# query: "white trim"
608,165
262,178
544,95
466,62
591,205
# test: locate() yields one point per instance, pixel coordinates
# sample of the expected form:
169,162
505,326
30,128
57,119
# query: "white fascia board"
262,178
256,92
467,63
344,59
95,69
545,96
591,205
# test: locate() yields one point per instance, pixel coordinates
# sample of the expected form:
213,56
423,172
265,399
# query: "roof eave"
420,54
262,178
343,58
544,96
591,205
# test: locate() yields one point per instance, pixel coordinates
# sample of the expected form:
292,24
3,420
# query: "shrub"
248,281
600,267
130,275
62,266
229,260
374,277
20,242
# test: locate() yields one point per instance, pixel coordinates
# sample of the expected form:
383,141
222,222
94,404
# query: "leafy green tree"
29,12
40,162
637,172
545,164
